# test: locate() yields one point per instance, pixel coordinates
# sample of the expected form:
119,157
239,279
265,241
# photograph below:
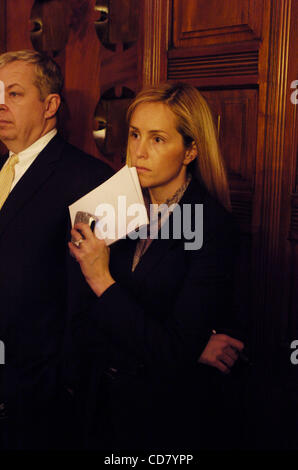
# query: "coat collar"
3,159
32,181
159,248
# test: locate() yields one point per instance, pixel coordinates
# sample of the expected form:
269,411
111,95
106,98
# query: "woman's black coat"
141,384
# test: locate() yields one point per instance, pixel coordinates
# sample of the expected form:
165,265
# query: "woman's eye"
133,134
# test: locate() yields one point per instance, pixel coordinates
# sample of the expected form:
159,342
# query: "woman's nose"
142,150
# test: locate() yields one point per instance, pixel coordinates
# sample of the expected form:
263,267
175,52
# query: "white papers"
118,205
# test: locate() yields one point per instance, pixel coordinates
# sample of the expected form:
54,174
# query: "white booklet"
117,206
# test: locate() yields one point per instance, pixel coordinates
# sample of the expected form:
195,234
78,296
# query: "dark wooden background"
242,55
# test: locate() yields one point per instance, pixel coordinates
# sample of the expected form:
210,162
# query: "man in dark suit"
39,178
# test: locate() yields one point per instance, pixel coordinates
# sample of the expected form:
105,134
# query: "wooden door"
241,55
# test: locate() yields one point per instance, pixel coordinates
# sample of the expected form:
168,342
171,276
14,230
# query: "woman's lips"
141,169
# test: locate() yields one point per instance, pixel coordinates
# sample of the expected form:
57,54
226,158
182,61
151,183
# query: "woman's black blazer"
144,388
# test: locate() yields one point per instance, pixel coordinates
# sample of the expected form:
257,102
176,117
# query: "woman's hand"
221,352
93,256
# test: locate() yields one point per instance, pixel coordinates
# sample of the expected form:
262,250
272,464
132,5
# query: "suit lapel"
152,257
31,182
159,248
121,258
3,159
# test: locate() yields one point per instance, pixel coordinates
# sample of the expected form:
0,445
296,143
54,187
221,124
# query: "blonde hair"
195,124
49,78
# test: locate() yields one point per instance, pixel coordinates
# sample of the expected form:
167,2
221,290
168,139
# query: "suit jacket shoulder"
75,164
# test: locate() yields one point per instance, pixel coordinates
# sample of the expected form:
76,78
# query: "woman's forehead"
153,116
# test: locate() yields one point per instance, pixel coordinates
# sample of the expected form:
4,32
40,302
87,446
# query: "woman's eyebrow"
151,131
159,131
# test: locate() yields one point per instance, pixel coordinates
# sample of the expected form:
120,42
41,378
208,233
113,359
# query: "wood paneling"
110,124
2,26
197,22
294,219
100,68
242,54
50,25
156,24
269,275
117,21
119,68
215,66
289,204
68,31
82,83
18,27
235,113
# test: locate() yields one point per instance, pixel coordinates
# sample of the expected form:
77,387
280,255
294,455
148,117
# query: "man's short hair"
49,78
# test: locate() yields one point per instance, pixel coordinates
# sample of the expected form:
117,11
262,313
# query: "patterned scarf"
159,218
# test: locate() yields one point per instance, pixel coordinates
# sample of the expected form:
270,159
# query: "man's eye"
13,94
158,139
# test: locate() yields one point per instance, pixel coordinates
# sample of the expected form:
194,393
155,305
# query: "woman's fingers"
231,352
74,251
84,230
76,235
85,241
222,367
233,342
221,352
228,361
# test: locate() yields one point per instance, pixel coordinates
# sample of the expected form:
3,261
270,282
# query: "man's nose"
3,107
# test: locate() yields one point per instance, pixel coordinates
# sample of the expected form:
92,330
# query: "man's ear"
52,103
190,154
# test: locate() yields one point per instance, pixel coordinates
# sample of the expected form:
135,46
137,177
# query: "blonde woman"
160,304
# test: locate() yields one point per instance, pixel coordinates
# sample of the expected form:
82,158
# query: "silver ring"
78,242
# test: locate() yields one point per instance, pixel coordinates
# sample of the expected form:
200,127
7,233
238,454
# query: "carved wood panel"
2,27
50,25
17,24
153,46
197,22
215,66
117,22
235,113
71,31
111,130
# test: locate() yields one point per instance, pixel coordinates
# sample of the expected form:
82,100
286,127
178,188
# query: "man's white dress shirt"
27,156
